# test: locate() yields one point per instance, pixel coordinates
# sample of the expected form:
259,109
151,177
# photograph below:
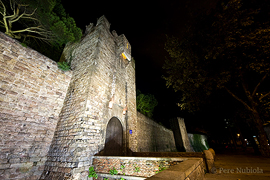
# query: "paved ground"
240,166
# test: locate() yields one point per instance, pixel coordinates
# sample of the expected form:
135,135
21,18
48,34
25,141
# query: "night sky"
145,25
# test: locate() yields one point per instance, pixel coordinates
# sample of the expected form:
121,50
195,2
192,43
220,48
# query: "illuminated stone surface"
53,122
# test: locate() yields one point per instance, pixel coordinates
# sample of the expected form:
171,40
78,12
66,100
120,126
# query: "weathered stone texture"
153,137
45,111
100,75
146,167
210,160
180,135
32,92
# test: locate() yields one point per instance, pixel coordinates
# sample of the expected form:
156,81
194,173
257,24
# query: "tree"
146,103
227,51
44,20
19,13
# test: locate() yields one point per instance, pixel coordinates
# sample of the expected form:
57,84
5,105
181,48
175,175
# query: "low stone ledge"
100,175
142,158
168,154
147,166
209,159
191,169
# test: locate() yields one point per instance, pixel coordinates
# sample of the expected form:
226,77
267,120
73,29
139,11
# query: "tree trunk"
264,148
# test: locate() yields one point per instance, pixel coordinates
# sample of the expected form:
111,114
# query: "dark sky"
145,25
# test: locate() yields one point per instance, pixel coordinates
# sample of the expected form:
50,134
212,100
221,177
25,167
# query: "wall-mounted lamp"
111,102
125,56
125,110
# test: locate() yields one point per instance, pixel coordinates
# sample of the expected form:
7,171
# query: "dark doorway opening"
114,138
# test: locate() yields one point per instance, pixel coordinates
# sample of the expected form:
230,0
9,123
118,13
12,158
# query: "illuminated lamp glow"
124,56
125,110
111,103
238,135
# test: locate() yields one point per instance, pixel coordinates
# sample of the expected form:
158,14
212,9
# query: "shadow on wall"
198,142
112,148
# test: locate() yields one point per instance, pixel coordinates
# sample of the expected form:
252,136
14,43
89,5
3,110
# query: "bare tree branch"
22,16
240,100
256,88
264,96
42,33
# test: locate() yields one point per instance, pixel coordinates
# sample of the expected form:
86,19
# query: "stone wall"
153,137
180,134
32,92
102,87
61,118
168,154
133,166
190,169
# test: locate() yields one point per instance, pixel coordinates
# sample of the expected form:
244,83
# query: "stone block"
213,152
4,165
209,160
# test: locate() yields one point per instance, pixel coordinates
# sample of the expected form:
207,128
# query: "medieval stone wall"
53,122
102,76
153,137
32,92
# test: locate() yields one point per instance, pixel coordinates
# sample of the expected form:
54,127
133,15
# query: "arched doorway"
114,138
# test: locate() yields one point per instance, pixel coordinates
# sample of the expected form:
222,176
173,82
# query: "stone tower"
99,113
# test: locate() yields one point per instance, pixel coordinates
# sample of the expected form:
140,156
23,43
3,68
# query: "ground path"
240,166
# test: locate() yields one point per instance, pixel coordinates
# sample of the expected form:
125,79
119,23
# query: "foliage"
41,24
122,167
23,44
122,178
210,59
137,169
113,171
17,13
64,66
92,173
146,103
227,51
52,16
160,169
